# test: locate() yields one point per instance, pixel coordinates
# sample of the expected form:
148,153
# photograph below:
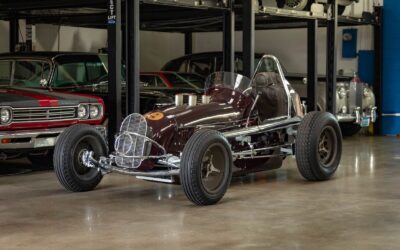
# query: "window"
182,80
201,66
23,73
79,73
151,81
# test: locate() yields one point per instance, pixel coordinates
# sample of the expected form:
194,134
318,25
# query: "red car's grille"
44,114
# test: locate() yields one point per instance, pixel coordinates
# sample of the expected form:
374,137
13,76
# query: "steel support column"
248,37
312,65
114,69
331,64
14,34
132,42
378,49
229,41
188,43
28,35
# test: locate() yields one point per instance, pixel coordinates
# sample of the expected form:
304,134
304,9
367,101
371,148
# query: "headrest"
266,79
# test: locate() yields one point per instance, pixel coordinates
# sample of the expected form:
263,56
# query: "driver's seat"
273,101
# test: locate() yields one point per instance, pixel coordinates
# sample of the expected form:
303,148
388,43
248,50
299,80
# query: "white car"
306,4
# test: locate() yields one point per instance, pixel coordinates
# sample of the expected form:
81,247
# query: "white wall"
4,37
290,46
156,48
71,39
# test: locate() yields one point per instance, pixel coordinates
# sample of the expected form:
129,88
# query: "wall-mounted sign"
111,17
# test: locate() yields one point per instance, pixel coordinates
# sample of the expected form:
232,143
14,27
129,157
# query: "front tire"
206,167
318,146
68,166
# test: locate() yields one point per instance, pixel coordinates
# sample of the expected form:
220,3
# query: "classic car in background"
172,81
32,119
84,73
304,4
169,83
243,126
350,117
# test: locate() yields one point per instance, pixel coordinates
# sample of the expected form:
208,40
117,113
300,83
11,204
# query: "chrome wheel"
68,157
86,143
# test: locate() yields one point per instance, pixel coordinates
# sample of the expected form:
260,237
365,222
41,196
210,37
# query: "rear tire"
206,167
68,166
318,146
349,129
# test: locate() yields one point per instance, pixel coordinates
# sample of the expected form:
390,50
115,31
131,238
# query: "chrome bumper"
33,139
357,117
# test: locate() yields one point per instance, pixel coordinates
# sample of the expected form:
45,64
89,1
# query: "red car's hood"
27,98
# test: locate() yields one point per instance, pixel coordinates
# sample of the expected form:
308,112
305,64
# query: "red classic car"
32,119
241,126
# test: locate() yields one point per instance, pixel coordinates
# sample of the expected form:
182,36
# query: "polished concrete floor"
358,209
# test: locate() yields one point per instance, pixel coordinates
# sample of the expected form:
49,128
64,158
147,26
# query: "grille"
44,114
131,141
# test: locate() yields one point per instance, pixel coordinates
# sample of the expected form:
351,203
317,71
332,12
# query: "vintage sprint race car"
355,100
242,126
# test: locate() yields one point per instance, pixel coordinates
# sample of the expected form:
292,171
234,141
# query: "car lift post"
312,65
114,69
331,57
132,50
229,40
14,31
248,37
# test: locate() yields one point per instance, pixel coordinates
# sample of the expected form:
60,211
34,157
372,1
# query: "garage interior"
278,209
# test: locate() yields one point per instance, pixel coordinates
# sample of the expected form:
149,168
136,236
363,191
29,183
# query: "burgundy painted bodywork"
227,110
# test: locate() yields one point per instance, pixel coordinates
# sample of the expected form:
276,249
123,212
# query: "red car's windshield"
23,73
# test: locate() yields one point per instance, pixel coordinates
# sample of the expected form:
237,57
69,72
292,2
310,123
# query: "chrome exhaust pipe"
192,100
280,124
205,99
178,99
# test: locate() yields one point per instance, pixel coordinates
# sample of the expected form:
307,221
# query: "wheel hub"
211,168
212,173
326,146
